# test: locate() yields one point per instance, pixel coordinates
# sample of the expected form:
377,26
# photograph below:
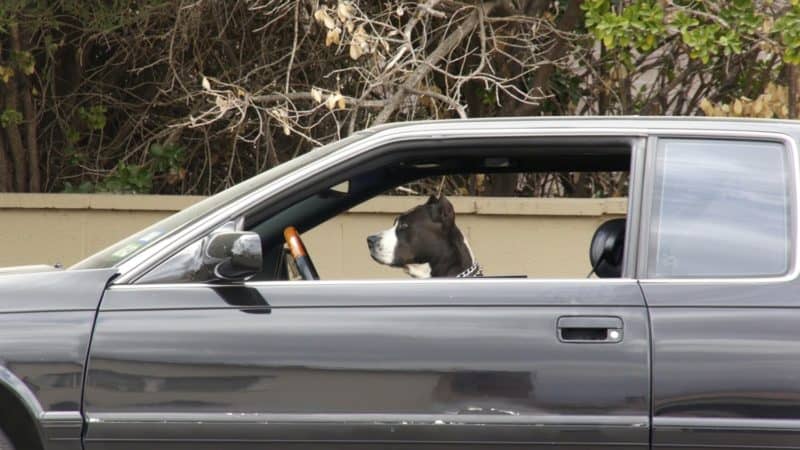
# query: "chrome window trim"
381,281
644,236
359,418
635,204
141,263
726,423
645,211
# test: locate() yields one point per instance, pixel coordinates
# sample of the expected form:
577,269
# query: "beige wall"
537,237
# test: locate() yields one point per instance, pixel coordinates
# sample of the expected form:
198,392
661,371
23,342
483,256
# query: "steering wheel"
299,254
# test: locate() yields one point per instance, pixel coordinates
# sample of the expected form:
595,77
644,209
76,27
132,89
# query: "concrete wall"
537,237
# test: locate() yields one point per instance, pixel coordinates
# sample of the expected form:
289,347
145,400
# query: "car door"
370,364
721,285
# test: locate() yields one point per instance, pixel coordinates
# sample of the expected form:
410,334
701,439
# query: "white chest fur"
419,270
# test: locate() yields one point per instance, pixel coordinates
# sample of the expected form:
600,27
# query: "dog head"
422,236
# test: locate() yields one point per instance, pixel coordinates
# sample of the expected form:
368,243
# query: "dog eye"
402,226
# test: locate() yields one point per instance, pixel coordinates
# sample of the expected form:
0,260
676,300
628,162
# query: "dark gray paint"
51,291
725,354
450,363
45,323
725,365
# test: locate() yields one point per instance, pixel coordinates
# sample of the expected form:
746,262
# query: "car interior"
286,219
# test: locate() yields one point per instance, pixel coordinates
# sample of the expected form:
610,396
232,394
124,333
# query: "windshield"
137,242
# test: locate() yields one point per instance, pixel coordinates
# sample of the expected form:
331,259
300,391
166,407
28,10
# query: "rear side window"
720,209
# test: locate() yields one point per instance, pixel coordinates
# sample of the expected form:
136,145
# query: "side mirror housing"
233,256
606,249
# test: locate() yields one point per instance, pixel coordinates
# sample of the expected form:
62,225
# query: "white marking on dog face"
419,270
384,249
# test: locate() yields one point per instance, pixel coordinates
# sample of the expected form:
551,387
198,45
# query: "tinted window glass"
720,209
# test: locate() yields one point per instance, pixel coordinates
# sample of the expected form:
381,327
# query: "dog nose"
372,240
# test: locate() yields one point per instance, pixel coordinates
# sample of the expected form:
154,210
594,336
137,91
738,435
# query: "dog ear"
443,211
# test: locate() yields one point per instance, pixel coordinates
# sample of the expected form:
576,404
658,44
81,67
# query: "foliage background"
192,96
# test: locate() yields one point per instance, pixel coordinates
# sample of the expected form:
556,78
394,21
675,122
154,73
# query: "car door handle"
589,329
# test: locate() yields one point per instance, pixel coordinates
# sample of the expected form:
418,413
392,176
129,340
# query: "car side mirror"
233,255
606,249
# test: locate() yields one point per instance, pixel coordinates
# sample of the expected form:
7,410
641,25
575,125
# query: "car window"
720,209
532,214
137,242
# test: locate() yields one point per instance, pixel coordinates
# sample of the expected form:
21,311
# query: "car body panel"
726,369
449,363
46,320
725,350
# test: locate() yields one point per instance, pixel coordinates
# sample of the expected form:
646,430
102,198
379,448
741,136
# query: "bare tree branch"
413,80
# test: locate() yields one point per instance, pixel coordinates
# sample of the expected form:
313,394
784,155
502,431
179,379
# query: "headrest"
605,253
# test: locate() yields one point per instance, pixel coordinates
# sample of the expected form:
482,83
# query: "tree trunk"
503,184
793,98
16,149
15,144
572,17
6,184
29,118
5,172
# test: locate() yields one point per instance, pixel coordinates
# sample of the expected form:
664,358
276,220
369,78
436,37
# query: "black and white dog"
426,242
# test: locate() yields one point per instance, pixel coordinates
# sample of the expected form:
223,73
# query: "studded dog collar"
472,271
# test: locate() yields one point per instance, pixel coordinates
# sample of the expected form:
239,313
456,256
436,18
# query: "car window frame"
376,146
647,233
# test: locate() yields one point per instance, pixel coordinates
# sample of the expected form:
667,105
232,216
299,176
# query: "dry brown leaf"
747,109
758,106
282,116
316,94
330,102
359,43
322,17
333,37
706,106
344,10
335,100
355,50
771,90
223,102
737,107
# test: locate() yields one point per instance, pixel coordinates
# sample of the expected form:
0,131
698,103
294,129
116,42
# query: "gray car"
193,334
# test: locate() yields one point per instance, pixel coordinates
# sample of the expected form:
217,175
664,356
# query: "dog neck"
449,264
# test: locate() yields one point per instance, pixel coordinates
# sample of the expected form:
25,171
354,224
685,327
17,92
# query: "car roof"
632,123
